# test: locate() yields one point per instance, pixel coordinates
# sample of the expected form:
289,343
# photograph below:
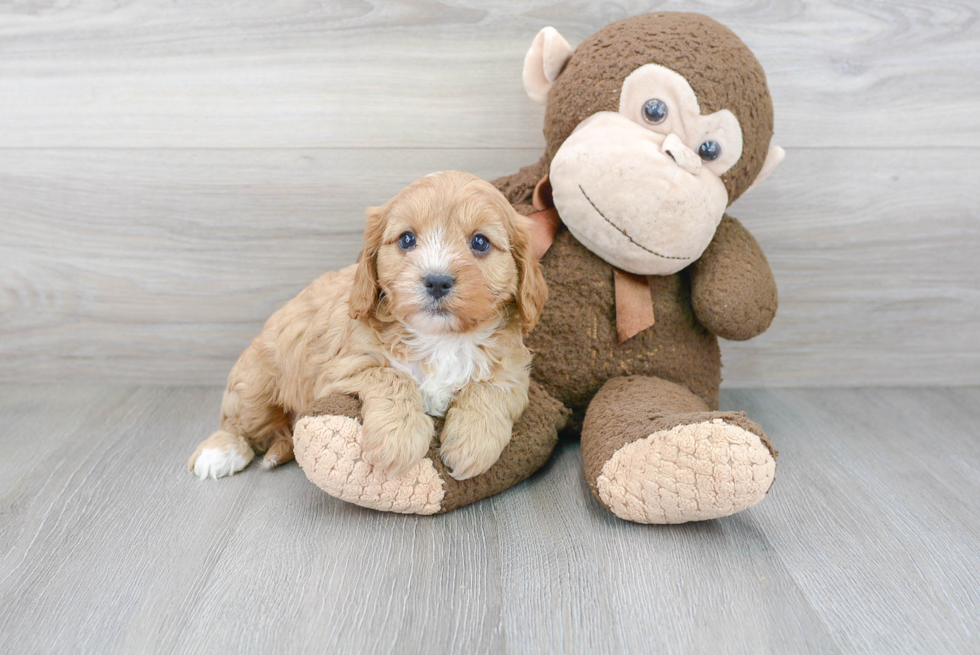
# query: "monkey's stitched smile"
623,232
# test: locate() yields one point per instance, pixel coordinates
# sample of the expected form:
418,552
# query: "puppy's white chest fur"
442,364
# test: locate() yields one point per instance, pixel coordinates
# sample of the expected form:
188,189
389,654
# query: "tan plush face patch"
642,187
681,114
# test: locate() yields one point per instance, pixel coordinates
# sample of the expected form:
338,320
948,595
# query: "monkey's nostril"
683,156
438,285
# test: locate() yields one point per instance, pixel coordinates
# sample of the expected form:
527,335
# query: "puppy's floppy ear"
532,290
364,291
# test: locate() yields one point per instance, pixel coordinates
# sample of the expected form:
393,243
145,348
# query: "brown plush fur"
729,292
576,343
371,330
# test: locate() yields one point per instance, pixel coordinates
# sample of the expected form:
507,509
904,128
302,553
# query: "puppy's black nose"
438,285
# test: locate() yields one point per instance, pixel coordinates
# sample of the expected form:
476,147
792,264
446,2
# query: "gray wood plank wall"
169,173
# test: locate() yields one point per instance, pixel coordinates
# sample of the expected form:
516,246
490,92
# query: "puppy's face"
447,254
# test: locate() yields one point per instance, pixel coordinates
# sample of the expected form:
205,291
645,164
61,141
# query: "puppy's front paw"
396,443
472,442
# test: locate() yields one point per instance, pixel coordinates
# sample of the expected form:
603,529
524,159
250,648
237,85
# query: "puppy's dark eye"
406,241
709,150
655,111
480,243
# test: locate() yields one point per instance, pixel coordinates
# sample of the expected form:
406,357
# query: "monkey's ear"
544,62
773,157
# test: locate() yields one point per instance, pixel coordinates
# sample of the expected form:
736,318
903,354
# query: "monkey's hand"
732,287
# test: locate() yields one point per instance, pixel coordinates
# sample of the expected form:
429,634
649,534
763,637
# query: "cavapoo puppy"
428,322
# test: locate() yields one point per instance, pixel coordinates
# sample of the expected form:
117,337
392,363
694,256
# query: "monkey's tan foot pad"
326,441
695,471
328,449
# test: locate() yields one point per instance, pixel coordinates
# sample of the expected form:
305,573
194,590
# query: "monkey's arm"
732,287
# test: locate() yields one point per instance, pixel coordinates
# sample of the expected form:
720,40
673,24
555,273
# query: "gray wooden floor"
869,541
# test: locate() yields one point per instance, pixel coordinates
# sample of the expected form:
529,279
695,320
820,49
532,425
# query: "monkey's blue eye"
709,150
480,243
406,241
655,111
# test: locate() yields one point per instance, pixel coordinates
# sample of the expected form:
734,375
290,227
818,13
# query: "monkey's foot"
328,448
708,466
327,445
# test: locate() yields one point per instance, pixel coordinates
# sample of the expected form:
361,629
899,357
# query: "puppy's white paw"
216,463
221,454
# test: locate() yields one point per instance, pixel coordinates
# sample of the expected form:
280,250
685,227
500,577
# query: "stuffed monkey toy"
653,126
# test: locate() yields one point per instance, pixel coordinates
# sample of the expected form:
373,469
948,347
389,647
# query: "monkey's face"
642,187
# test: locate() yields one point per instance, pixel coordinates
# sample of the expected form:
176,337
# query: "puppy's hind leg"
250,421
221,454
280,451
